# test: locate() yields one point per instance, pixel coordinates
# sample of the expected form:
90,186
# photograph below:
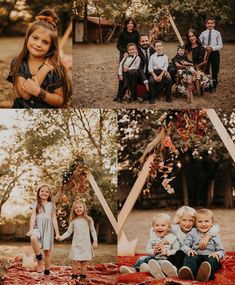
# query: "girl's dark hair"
47,19
39,201
188,44
128,20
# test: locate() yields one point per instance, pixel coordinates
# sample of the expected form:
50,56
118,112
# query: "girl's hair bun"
48,16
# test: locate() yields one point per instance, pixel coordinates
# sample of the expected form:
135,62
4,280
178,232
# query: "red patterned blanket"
100,274
225,276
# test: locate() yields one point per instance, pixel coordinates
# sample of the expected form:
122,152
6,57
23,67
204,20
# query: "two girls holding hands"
43,223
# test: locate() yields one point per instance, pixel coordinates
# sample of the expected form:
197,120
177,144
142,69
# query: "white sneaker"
144,267
127,269
169,269
155,269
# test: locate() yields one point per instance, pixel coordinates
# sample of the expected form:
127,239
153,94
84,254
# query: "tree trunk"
228,198
210,193
85,31
100,32
111,34
185,188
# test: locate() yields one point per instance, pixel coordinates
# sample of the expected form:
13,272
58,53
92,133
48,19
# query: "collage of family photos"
117,142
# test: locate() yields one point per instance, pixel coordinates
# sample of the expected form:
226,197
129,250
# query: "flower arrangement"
188,76
179,131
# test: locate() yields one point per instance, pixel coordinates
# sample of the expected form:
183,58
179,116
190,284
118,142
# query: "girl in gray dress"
43,223
81,226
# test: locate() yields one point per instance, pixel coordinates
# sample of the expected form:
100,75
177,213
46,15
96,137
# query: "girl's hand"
147,87
121,77
95,244
126,54
191,252
29,233
214,255
58,237
31,85
125,68
203,242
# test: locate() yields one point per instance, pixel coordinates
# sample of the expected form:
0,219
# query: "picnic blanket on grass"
225,276
100,274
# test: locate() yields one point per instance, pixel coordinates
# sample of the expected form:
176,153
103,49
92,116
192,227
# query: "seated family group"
189,249
143,64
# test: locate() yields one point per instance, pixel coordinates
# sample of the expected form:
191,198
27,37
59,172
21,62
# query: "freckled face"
39,42
186,222
161,227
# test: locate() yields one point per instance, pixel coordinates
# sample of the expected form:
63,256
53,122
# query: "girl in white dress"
81,226
43,223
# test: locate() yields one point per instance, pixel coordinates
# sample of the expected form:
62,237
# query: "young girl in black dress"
39,78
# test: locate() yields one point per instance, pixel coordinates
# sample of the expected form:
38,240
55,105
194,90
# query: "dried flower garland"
180,130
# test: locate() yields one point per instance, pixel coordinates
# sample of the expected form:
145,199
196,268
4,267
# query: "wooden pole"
65,36
134,193
175,29
103,202
218,125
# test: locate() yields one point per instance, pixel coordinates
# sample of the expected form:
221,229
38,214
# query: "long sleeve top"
132,63
171,245
192,242
216,39
126,38
158,62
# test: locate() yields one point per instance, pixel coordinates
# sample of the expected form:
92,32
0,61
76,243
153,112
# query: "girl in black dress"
39,78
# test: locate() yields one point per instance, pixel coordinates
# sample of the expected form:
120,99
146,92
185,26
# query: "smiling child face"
210,24
132,50
204,222
158,47
161,227
186,222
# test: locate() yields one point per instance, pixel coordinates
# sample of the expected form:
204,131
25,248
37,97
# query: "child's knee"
33,238
47,253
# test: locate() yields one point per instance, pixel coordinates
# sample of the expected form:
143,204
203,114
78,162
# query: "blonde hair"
39,201
205,212
164,216
84,215
179,213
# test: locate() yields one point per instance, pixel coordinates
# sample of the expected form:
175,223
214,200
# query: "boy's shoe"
155,269
144,267
169,269
185,273
204,272
127,269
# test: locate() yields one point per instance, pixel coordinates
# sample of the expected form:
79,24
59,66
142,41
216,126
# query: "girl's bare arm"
55,223
32,222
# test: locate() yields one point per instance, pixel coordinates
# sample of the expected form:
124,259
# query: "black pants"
194,262
155,86
177,259
214,63
129,82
